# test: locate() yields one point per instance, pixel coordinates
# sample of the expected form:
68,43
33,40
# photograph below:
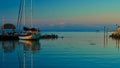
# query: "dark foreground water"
76,50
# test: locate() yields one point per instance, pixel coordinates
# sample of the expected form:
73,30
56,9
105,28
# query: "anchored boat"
28,33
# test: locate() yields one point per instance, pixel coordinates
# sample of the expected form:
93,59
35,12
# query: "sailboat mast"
20,15
24,13
2,20
31,12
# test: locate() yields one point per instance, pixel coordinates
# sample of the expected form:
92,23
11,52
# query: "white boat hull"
34,36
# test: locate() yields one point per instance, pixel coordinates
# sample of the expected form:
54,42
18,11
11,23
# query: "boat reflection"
30,45
117,41
29,48
8,46
25,51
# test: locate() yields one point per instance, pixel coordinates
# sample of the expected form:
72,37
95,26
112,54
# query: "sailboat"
29,33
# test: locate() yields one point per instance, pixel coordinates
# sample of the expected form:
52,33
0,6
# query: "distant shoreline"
66,31
61,31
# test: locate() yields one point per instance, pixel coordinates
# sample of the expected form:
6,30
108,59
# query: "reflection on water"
76,50
117,42
25,51
108,40
8,46
30,45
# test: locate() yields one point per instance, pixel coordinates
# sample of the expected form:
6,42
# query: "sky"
65,14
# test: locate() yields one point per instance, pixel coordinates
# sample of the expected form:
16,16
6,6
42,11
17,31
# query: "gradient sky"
65,14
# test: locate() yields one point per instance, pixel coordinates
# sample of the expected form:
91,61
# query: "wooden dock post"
105,36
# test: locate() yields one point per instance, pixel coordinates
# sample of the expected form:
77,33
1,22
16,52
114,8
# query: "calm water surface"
76,50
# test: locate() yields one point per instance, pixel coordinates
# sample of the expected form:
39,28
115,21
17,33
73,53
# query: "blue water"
76,50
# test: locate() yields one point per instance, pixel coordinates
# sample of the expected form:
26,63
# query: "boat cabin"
8,26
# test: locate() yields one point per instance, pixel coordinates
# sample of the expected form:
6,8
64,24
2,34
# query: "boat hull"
35,36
